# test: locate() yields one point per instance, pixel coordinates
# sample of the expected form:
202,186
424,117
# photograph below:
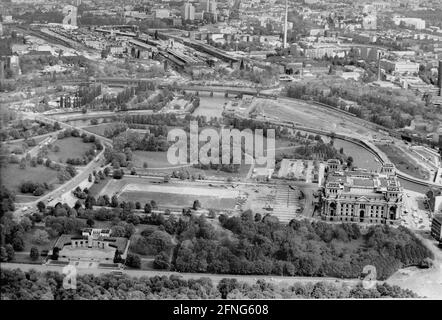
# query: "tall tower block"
285,25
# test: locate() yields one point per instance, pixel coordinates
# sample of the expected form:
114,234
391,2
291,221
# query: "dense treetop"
32,285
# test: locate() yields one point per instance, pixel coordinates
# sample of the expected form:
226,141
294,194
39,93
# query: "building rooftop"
362,183
368,183
116,242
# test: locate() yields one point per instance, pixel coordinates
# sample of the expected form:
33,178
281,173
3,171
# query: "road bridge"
226,90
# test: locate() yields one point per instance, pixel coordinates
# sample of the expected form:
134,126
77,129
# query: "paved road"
214,277
95,164
64,125
68,186
34,151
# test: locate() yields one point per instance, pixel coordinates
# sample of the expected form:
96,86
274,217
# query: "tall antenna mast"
285,25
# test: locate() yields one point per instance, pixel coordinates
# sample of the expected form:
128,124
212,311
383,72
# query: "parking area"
414,215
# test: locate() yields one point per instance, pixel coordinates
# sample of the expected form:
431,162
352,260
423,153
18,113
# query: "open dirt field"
164,199
174,194
312,116
279,200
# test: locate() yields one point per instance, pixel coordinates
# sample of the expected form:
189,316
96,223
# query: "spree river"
366,160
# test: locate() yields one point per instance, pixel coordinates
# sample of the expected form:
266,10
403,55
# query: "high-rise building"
209,10
188,12
211,6
203,5
284,43
208,6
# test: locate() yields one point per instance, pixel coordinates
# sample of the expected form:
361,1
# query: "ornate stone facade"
360,196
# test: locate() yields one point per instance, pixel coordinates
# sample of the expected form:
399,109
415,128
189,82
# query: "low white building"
399,67
416,23
162,13
369,22
351,75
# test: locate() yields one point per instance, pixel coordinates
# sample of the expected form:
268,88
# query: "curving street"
214,277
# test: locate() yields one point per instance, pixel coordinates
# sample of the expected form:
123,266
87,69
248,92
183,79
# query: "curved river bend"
366,160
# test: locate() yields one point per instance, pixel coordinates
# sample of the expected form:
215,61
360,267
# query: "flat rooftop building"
94,245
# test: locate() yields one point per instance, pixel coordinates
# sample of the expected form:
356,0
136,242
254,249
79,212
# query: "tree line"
25,129
251,244
381,106
33,285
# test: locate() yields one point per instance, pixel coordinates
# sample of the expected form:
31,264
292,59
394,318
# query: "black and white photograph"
233,152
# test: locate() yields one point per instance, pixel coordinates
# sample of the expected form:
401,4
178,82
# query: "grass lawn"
426,154
152,158
21,145
12,176
285,147
69,148
23,257
27,237
157,163
16,145
403,162
96,188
